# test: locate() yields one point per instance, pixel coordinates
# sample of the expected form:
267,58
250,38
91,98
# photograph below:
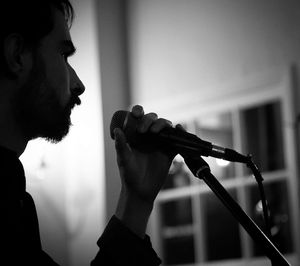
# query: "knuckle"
151,116
161,123
180,127
146,122
165,122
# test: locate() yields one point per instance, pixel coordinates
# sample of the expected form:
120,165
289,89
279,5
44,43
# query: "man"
38,89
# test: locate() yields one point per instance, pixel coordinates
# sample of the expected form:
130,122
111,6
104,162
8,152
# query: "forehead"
60,31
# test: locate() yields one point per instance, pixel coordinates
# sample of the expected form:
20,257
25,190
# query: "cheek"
60,81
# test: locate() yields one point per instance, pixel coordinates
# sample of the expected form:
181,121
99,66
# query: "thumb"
122,148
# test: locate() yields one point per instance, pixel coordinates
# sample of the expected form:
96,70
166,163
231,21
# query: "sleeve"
119,247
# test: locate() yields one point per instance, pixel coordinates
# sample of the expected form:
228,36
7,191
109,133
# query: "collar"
12,174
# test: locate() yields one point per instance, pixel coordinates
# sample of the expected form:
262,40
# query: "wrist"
134,212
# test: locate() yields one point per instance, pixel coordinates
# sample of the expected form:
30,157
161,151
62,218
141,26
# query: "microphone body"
177,140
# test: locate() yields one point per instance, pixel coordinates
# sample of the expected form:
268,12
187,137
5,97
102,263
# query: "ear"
15,54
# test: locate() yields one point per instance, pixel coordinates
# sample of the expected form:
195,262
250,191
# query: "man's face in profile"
45,101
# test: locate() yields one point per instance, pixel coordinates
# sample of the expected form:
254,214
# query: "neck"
11,133
16,146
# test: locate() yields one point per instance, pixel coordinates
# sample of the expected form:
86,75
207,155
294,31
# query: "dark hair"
33,19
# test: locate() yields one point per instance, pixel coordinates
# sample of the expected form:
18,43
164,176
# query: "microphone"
171,138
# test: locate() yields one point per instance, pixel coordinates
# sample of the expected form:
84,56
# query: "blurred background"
228,71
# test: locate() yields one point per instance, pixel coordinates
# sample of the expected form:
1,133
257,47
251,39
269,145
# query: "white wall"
180,47
67,179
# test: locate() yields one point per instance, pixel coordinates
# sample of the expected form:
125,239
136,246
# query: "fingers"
150,121
146,122
160,124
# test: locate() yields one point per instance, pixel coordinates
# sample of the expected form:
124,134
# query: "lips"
74,101
77,101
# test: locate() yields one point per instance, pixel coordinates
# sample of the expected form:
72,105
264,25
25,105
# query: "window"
192,226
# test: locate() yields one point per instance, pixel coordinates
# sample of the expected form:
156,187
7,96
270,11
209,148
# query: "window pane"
222,238
179,250
277,197
177,231
218,129
263,138
176,212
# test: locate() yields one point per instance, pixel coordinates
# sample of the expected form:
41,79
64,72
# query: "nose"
76,84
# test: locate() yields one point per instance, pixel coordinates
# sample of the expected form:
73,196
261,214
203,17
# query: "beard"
39,111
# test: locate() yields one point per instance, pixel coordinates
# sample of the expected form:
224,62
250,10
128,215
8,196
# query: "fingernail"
137,110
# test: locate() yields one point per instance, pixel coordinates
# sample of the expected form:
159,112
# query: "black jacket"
20,242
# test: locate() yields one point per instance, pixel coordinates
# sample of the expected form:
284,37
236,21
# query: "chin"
52,132
58,135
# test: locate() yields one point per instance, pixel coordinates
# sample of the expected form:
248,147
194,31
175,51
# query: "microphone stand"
202,170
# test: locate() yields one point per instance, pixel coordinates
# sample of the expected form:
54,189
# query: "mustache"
75,100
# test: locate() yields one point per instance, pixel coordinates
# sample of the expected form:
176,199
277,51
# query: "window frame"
235,96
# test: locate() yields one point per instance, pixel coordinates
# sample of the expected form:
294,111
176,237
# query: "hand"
142,172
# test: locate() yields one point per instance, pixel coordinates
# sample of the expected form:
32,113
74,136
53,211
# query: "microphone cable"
259,179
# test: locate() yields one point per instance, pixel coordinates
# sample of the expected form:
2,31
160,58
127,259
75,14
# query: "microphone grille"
117,121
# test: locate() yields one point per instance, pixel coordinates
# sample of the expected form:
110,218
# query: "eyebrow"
68,44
